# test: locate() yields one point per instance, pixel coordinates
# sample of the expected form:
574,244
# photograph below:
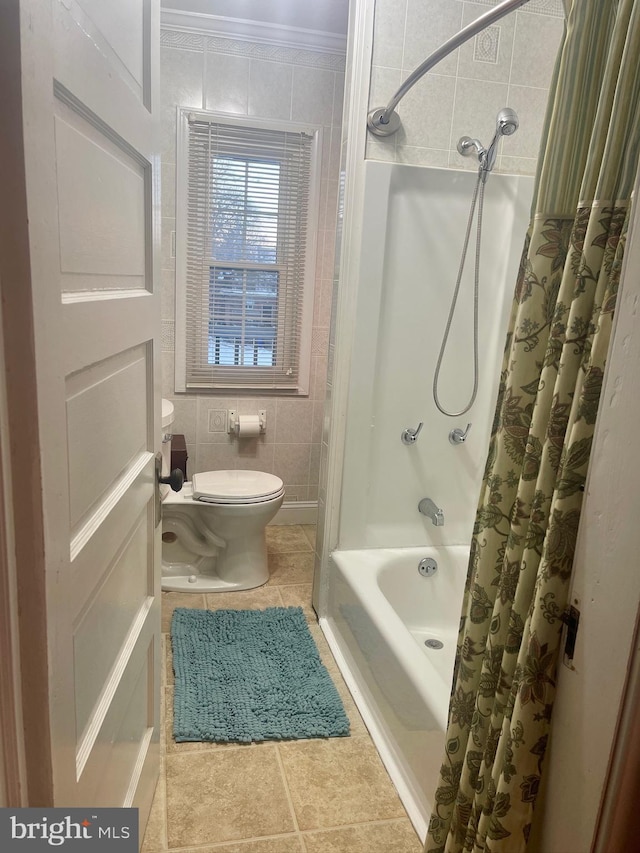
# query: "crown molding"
242,29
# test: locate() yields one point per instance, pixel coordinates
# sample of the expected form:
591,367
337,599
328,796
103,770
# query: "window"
245,253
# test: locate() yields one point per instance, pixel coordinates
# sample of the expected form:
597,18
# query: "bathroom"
502,67
360,443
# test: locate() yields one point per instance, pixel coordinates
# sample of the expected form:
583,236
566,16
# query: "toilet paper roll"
248,426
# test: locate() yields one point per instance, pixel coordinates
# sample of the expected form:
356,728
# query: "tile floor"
300,796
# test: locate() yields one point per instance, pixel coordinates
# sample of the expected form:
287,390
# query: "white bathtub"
381,612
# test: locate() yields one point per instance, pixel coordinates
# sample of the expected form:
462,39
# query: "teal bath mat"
250,675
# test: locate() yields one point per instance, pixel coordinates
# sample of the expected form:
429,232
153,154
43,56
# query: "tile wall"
509,64
252,79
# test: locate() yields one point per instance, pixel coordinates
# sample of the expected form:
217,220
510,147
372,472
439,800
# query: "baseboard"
297,512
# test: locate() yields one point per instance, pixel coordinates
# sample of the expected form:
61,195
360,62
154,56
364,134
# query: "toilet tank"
167,421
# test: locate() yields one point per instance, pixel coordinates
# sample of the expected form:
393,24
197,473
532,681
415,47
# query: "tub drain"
434,644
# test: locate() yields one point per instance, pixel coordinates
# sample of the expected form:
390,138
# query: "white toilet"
213,529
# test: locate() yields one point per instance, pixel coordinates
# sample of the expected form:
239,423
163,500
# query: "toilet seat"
236,487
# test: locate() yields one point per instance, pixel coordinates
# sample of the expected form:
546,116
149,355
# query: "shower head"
506,125
506,122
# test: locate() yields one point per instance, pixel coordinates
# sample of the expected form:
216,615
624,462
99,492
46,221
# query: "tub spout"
428,508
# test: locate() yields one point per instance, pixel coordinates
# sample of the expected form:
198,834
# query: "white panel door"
89,73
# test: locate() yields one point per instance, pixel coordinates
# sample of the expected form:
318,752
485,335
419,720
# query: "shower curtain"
527,519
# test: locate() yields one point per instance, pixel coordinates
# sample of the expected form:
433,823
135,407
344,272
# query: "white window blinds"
246,254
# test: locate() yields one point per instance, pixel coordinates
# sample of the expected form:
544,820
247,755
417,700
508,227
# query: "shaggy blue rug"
250,675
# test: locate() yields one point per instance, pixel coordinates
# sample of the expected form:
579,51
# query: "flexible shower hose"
478,193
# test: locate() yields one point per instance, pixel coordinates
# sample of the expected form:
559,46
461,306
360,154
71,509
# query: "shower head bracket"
382,122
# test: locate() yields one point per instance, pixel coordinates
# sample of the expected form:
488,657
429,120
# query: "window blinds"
247,208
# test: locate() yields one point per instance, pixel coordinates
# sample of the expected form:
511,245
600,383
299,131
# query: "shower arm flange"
385,121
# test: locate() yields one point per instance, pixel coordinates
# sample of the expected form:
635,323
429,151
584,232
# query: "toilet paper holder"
233,421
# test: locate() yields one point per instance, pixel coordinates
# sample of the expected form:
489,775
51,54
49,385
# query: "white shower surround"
413,226
413,231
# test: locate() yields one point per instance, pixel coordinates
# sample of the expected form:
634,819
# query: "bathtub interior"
420,600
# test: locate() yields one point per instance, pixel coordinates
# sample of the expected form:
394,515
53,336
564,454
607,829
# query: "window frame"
181,231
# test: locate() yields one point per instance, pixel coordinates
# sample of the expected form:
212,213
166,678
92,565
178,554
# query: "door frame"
12,760
23,643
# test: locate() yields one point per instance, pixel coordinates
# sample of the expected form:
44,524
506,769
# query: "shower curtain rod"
385,121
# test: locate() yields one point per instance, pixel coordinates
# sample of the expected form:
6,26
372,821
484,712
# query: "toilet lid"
235,486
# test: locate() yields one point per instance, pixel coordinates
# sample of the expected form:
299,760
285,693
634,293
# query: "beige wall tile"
185,413
422,156
470,65
168,190
181,77
338,781
167,259
535,46
429,25
312,95
314,464
297,493
255,454
426,112
291,463
294,422
180,85
270,87
338,98
216,457
388,38
518,165
226,83
319,367
168,294
383,83
240,795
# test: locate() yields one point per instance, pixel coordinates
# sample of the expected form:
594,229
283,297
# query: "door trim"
22,566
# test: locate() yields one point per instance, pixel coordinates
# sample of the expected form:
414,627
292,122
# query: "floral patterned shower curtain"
527,519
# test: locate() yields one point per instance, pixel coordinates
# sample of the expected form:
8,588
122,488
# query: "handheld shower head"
506,122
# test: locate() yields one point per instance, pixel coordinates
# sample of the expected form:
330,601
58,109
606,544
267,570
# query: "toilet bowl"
213,529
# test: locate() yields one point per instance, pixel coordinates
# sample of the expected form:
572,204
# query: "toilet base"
202,583
241,565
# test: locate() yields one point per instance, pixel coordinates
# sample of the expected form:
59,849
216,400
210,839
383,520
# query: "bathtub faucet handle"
410,435
457,436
